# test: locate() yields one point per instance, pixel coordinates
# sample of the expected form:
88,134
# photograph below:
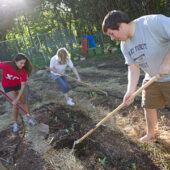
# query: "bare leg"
13,95
66,96
151,121
26,108
23,102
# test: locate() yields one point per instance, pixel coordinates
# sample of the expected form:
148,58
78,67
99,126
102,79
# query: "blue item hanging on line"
91,41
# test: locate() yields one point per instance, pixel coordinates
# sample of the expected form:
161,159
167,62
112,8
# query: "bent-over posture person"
14,78
145,43
58,63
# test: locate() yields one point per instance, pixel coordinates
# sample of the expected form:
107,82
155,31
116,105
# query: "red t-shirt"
11,77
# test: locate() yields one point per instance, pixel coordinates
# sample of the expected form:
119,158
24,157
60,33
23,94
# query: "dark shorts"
13,88
156,95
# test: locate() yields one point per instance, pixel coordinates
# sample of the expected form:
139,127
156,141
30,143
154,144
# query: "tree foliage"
34,17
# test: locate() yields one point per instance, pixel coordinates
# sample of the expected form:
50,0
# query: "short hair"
113,18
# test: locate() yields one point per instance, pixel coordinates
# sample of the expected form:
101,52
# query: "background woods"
40,27
22,17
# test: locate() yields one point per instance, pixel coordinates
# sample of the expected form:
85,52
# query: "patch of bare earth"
105,149
112,146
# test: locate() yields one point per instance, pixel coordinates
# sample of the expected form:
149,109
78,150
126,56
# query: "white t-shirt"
149,45
58,67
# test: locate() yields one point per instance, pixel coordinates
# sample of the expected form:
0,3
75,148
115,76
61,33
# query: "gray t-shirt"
149,45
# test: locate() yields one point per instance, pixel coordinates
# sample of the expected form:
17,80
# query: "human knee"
149,111
12,95
15,108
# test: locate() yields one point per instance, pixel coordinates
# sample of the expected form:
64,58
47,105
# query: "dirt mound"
112,146
15,153
105,148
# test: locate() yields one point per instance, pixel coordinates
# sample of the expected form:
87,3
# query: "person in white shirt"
58,64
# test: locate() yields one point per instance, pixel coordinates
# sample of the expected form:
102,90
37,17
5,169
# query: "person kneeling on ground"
58,64
145,43
14,77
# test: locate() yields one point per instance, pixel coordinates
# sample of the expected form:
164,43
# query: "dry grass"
132,125
61,159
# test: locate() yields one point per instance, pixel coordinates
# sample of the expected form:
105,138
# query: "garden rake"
41,126
86,84
116,110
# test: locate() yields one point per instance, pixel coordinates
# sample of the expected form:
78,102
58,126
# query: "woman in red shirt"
14,77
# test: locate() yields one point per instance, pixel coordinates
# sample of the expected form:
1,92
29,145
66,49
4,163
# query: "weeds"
68,115
134,166
75,118
136,107
157,154
72,128
82,126
94,94
67,131
162,118
103,161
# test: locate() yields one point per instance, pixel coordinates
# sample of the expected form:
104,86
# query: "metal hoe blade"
43,128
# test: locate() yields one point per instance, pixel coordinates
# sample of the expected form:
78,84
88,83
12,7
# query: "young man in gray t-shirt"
145,43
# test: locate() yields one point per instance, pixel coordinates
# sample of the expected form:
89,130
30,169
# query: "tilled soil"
106,149
16,154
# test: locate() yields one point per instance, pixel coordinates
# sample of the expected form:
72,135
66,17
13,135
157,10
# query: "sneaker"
69,102
15,127
69,98
31,122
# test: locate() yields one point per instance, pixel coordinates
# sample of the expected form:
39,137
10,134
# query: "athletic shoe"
70,103
31,122
15,127
69,98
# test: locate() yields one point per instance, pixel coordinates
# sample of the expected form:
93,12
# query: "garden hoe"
86,84
41,126
114,111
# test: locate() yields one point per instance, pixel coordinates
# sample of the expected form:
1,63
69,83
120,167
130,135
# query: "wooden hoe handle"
92,87
117,109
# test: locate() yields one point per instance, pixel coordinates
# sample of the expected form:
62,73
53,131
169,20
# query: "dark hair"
113,18
28,66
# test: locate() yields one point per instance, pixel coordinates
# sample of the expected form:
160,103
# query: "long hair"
63,56
28,66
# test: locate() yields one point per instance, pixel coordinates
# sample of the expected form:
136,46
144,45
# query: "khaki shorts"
156,95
